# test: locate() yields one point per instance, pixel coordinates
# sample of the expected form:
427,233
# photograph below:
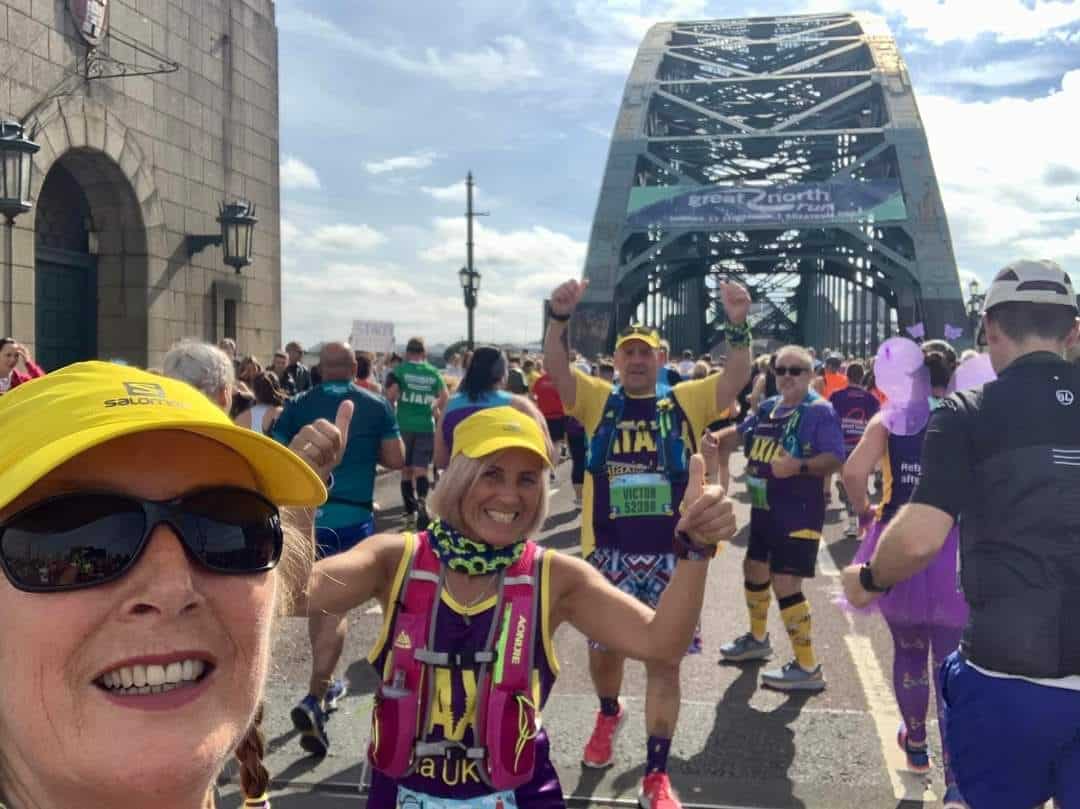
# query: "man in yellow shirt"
641,438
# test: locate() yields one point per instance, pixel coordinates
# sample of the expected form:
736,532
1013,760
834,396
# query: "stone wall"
155,155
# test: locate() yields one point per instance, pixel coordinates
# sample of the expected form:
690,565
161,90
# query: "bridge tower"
783,152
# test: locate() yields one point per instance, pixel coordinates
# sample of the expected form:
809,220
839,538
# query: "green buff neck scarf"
465,555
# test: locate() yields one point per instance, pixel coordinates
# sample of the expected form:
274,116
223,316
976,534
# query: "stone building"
174,112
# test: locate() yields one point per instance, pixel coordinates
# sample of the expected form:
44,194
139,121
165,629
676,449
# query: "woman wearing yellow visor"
144,558
465,657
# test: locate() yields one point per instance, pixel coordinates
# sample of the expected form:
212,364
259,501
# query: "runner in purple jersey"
794,441
926,613
492,497
854,406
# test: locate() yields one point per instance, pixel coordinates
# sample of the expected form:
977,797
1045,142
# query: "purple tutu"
930,597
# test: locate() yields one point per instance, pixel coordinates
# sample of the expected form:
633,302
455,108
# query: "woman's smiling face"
65,738
505,499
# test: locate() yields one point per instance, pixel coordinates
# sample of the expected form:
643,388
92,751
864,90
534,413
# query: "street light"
16,156
237,220
470,286
16,153
975,304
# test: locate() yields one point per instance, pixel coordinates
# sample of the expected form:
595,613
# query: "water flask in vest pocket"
398,702
507,721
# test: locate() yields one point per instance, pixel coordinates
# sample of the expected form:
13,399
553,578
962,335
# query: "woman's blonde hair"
463,473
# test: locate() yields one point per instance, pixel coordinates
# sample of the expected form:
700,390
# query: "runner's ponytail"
254,778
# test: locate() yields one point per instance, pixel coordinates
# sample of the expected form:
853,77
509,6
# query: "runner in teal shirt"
344,520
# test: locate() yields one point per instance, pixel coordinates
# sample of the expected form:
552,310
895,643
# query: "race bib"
408,799
642,495
758,488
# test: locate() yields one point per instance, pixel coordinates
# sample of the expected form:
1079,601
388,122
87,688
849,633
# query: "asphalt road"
737,744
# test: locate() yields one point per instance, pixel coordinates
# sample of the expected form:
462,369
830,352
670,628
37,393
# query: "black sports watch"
866,580
557,318
804,468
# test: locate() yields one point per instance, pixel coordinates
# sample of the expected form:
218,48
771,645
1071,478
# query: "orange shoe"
600,749
656,792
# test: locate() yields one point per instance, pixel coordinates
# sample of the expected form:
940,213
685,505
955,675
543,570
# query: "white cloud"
455,192
505,62
1002,189
296,174
942,21
411,162
343,237
1002,73
529,260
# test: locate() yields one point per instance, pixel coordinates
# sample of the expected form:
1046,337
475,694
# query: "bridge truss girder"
759,105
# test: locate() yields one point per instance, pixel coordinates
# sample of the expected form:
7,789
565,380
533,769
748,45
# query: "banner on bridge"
796,205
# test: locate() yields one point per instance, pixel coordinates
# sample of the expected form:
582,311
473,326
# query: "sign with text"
376,336
800,204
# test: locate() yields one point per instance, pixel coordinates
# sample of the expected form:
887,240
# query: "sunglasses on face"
83,539
782,370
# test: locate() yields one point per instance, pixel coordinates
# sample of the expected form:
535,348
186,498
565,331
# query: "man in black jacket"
1004,459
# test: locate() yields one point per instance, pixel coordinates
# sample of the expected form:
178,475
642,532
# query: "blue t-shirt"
372,423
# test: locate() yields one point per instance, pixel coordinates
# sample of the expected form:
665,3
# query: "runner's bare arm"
737,366
727,439
342,582
860,464
608,616
757,393
442,452
392,453
563,301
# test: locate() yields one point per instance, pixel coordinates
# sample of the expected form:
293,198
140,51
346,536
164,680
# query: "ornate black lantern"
237,220
16,156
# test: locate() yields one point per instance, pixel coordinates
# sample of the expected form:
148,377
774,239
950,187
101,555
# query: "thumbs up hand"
323,444
707,516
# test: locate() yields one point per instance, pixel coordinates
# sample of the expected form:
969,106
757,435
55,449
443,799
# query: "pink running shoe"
656,793
599,751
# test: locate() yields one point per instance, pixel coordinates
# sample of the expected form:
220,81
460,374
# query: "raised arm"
345,581
737,366
605,614
563,301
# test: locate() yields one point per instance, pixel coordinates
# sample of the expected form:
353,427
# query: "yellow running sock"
758,597
795,611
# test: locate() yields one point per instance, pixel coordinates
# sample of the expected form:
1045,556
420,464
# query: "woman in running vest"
925,614
144,555
465,657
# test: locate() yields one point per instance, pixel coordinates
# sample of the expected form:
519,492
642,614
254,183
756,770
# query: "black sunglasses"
782,370
83,539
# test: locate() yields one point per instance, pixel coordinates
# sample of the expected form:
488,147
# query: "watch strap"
686,548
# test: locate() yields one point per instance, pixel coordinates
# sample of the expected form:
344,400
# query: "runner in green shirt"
422,396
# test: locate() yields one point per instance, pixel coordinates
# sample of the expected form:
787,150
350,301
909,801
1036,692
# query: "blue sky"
385,106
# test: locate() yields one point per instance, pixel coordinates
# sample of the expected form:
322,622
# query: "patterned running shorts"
644,576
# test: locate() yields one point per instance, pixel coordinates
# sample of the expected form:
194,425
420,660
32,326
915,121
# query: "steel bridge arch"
716,113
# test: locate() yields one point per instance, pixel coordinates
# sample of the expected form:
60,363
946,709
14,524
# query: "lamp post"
16,156
237,220
470,286
975,303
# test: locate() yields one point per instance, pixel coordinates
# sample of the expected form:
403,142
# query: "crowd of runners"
958,473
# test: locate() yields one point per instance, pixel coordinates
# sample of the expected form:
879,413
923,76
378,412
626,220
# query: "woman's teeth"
504,517
139,679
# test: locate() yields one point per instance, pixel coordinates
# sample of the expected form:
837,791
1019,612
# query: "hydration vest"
507,719
672,452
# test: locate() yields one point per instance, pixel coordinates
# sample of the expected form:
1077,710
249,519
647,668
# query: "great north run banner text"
790,205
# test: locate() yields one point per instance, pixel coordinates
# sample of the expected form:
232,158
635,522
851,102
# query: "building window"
230,318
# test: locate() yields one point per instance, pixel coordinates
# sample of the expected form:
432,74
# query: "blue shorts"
331,541
1013,744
